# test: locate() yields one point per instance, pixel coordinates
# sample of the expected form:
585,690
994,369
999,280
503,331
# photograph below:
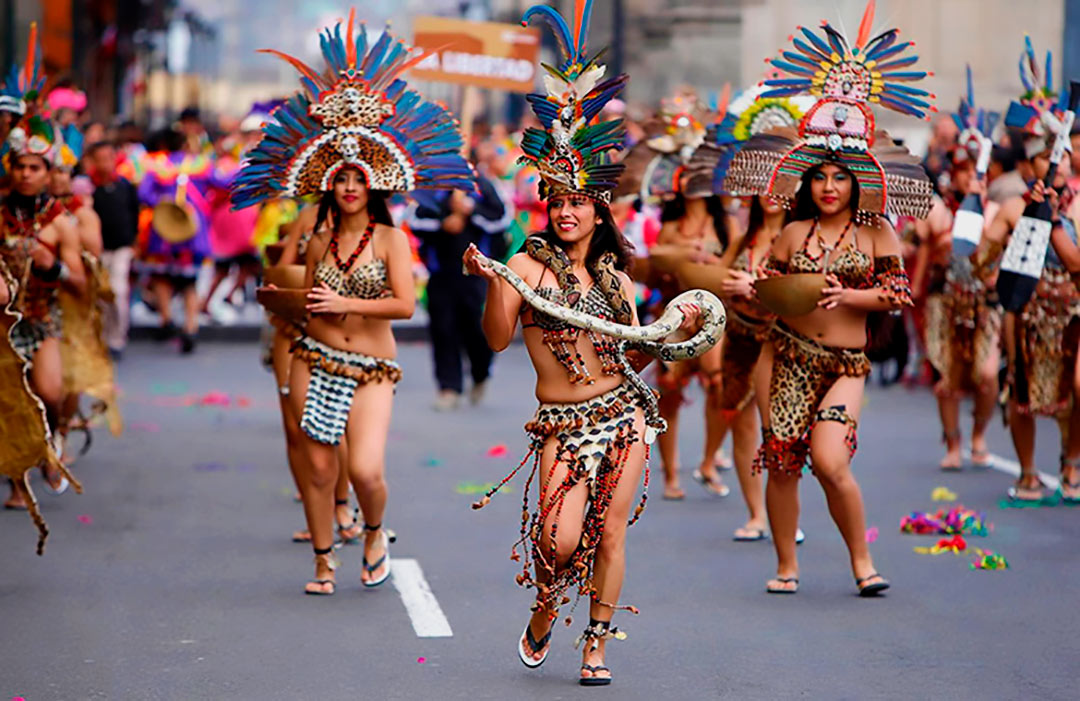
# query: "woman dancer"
587,450
749,322
835,170
296,239
353,135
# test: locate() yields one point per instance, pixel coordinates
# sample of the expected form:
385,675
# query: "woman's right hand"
739,283
471,260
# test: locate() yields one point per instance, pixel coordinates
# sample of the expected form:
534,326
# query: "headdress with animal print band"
846,78
570,152
358,112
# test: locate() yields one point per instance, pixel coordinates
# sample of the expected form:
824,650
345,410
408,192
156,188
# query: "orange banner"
484,54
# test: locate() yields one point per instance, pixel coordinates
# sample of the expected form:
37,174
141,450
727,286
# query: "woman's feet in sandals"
722,460
348,530
871,585
376,567
952,462
752,532
324,583
535,641
709,479
16,501
593,670
980,453
783,583
673,492
1070,481
1028,488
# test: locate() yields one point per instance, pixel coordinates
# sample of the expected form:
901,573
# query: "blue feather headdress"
975,123
23,95
1037,113
24,84
571,153
846,78
357,113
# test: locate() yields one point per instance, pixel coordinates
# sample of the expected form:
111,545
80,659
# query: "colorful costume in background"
356,113
1046,332
188,180
963,317
845,77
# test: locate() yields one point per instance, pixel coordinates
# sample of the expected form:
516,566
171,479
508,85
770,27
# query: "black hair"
756,221
675,209
377,209
606,238
97,146
804,199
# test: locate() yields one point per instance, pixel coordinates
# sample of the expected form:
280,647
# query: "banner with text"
484,54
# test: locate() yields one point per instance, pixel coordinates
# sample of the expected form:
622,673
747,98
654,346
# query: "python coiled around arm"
647,339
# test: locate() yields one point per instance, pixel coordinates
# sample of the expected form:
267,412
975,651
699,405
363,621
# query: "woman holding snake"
596,415
840,176
353,135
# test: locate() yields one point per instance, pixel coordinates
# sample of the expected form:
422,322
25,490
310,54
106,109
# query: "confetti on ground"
956,521
872,534
942,494
215,399
145,426
421,660
497,451
989,560
243,402
160,388
432,462
954,545
85,519
474,487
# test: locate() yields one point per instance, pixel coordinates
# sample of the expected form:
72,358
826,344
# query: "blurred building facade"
149,58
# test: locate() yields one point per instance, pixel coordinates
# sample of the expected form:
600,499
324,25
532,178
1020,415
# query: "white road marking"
1011,467
424,611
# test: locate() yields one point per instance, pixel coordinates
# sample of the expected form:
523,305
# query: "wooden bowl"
287,276
289,304
274,252
791,295
667,258
702,276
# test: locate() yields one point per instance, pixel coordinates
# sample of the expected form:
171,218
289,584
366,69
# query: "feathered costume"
846,78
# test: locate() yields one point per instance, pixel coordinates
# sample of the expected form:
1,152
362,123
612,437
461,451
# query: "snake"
648,339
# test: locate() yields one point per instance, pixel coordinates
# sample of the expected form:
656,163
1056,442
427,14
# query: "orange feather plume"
31,57
579,17
866,26
350,42
722,103
306,70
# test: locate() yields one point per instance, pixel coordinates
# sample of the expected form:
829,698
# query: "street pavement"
173,577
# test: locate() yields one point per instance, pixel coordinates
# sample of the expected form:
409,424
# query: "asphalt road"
173,576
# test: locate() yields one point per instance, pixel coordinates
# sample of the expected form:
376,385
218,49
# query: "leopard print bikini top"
364,281
853,267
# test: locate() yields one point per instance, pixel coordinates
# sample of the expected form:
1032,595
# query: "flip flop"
534,645
783,590
676,496
595,681
758,534
321,583
870,590
301,537
384,560
981,459
710,486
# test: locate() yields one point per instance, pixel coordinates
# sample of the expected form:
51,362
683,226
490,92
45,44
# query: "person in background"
190,124
67,104
116,202
446,224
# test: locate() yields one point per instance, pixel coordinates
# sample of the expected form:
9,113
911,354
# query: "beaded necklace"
365,238
826,250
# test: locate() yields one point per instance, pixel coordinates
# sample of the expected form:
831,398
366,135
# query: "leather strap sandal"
384,560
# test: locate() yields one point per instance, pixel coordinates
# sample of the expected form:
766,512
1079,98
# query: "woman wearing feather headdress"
840,177
1040,339
963,317
355,133
589,435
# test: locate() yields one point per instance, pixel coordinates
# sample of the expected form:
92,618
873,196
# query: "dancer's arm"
503,301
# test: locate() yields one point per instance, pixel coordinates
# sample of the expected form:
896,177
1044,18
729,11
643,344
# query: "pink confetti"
215,399
17,698
243,402
497,451
85,519
421,660
871,534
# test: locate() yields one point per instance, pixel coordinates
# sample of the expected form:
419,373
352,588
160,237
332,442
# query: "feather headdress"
357,112
1038,111
975,123
570,152
846,77
22,95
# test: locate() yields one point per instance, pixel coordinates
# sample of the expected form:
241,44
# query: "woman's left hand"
323,300
834,294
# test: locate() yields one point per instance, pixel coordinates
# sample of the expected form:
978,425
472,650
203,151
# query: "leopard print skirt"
802,374
743,340
1041,367
962,332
